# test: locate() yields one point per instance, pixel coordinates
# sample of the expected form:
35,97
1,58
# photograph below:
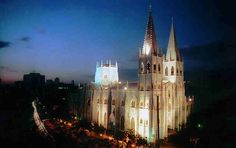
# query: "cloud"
7,69
25,39
4,44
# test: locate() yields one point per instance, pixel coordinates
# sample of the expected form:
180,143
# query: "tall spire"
150,43
172,49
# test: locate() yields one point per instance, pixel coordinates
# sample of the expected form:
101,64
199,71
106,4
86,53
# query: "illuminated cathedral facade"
159,92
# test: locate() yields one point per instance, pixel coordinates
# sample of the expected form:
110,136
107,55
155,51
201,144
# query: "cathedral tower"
150,79
149,58
173,64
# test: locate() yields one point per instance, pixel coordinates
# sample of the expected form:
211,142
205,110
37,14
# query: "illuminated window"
166,71
172,70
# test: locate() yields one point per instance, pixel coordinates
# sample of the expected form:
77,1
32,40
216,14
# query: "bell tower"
150,61
150,76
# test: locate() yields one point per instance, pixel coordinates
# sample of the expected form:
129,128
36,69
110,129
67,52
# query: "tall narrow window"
142,68
177,72
133,104
113,102
166,71
172,70
141,121
141,104
148,68
159,68
154,68
122,103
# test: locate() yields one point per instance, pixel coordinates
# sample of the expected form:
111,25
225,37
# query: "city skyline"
65,40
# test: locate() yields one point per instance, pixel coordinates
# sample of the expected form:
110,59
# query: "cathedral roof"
150,36
172,49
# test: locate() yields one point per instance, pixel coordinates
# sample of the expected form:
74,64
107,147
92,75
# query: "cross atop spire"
150,44
150,6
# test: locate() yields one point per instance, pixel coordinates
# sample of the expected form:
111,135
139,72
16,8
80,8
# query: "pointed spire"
101,63
109,62
172,49
150,43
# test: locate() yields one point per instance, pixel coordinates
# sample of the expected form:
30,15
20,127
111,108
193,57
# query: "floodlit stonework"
159,92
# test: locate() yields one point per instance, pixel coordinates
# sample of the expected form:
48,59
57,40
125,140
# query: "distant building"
158,93
34,83
57,80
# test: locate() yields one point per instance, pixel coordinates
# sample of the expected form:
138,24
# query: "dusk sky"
65,38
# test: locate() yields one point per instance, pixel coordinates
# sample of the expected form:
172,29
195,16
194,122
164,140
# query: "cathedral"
155,105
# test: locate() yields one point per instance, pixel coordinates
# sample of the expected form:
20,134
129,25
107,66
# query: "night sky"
65,38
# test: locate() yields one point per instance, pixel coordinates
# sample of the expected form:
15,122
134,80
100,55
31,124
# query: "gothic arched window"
166,71
142,67
122,103
113,102
133,104
148,67
159,68
177,72
146,123
154,68
172,70
181,72
141,121
141,104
